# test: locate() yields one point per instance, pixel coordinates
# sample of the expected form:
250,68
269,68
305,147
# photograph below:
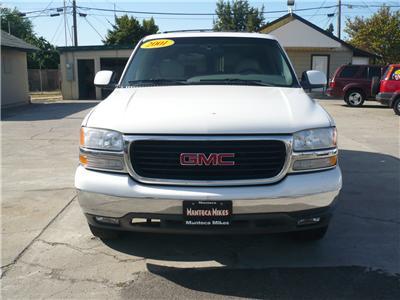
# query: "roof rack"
189,30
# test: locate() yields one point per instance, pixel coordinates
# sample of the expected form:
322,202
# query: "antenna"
290,4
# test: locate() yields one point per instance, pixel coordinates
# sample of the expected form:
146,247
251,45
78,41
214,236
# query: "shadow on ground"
370,192
364,232
272,283
45,111
367,106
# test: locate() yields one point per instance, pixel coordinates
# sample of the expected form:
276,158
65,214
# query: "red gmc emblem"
201,159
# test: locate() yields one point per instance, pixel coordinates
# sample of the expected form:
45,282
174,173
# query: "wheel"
375,84
104,234
396,106
310,234
354,98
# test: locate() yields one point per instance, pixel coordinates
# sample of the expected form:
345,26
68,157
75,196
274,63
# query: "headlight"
314,139
101,149
101,139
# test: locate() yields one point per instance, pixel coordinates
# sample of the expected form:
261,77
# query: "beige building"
80,64
14,71
310,47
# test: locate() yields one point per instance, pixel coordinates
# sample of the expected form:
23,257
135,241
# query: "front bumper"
384,98
296,196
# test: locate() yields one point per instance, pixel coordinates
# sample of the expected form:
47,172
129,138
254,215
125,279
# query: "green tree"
330,28
238,15
379,33
13,21
128,31
47,57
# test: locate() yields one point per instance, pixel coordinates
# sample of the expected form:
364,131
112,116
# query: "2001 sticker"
157,44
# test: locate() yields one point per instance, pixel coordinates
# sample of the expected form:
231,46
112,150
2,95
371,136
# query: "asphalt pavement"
48,251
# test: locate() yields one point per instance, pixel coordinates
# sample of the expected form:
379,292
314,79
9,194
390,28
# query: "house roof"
95,48
10,41
268,28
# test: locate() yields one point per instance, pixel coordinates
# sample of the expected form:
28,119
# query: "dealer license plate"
207,213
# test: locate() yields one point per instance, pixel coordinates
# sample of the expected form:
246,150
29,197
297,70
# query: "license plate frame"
207,213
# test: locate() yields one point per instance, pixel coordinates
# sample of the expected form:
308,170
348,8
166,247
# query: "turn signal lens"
83,160
82,137
316,163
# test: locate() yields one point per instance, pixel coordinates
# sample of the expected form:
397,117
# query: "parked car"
353,83
387,88
208,133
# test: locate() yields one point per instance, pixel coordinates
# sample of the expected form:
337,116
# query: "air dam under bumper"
119,196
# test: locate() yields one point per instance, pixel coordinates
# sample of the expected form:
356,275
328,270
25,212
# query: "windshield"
209,60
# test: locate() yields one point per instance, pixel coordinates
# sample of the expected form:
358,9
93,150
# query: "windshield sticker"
396,75
157,44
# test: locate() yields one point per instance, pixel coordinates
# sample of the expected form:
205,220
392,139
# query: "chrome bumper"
115,195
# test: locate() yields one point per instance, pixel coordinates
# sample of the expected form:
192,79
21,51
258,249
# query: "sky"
93,28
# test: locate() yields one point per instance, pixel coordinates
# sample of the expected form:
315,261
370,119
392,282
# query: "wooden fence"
44,80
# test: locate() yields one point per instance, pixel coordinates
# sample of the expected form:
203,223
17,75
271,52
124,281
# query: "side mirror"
313,79
104,79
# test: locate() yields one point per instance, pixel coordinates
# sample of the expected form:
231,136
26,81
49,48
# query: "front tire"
104,234
354,98
310,234
396,106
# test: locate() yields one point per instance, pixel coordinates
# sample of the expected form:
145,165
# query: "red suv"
353,83
389,88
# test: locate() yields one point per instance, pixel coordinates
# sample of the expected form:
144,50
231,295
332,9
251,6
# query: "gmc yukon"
208,133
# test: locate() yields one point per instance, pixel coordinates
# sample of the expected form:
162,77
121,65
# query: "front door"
86,78
320,63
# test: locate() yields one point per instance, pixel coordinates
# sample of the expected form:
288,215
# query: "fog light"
308,221
107,220
317,163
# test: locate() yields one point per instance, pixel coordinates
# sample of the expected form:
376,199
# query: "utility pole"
65,24
339,18
74,21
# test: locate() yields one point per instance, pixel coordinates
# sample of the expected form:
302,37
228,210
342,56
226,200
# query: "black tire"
375,84
396,106
354,98
104,234
310,234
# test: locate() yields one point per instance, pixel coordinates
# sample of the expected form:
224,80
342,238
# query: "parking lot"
48,251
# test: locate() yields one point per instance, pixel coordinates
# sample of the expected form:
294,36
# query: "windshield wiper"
152,82
238,81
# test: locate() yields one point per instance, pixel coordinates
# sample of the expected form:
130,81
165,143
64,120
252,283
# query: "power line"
189,14
90,24
348,5
55,33
318,9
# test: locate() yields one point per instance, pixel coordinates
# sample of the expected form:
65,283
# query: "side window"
349,72
395,74
374,71
364,73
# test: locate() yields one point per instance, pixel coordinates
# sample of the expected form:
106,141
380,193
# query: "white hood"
208,109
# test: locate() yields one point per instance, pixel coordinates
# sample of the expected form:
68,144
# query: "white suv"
208,133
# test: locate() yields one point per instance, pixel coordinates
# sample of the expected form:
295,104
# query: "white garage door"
358,60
